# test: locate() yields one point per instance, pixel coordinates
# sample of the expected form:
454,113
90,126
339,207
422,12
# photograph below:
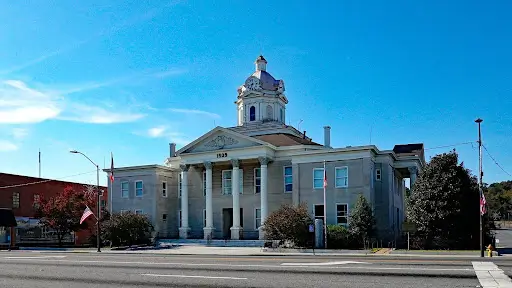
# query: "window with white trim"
288,179
164,189
138,212
341,177
180,184
257,180
342,214
227,187
139,191
319,211
378,174
318,178
179,218
125,192
204,217
204,183
257,218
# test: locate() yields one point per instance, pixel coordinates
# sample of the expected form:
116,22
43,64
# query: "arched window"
252,113
270,112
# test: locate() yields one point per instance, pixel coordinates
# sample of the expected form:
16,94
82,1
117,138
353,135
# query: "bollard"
489,250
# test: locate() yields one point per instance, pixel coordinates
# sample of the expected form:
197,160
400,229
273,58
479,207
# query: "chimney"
327,136
304,134
172,149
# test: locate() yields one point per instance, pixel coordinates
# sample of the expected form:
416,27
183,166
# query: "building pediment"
220,139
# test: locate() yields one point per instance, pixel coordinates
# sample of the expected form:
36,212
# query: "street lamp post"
479,121
98,199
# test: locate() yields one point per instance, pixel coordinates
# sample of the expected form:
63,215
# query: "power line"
496,162
44,181
451,145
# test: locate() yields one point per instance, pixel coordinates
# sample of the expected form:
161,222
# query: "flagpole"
325,208
480,190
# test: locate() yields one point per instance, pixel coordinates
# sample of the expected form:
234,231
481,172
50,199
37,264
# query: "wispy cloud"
6,146
166,132
19,133
107,32
194,111
156,131
20,104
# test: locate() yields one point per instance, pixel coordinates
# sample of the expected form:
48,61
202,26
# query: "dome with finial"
262,80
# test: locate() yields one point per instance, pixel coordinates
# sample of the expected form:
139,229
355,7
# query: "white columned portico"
413,171
208,230
263,194
235,191
184,229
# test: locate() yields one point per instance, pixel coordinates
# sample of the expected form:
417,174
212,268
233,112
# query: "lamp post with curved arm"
98,197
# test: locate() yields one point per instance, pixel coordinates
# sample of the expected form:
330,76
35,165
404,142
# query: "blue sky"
129,77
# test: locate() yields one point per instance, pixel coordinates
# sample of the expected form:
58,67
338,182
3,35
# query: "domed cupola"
261,98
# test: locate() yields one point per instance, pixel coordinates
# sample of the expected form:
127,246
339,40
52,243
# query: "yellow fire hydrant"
489,250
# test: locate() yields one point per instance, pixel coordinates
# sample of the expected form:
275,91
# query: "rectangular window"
257,180
180,184
164,217
227,188
179,217
164,189
378,174
342,214
341,177
204,217
319,212
288,179
138,212
204,183
138,188
124,189
318,178
15,200
257,218
37,198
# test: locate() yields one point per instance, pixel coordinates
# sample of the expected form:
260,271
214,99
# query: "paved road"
70,270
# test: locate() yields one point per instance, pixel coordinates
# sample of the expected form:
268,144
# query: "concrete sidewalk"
252,251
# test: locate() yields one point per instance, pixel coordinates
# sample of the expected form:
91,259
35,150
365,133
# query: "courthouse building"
225,183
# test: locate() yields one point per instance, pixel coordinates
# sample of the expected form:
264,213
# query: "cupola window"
252,113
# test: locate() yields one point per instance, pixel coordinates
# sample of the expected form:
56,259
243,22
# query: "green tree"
444,205
362,222
127,229
289,223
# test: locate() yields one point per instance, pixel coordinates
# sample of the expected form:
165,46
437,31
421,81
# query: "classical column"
235,191
184,229
208,230
413,171
263,194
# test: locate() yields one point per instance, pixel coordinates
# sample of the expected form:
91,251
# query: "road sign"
409,227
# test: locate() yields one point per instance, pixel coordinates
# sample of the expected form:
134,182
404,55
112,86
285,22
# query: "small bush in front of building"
127,229
339,237
289,223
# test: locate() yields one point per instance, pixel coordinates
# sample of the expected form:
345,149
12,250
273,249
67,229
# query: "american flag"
111,167
482,203
86,214
325,176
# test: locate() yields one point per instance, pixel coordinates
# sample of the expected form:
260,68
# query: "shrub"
289,223
339,237
127,229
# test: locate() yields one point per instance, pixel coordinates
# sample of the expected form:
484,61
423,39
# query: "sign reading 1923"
222,155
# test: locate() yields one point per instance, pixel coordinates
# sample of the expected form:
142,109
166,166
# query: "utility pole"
480,174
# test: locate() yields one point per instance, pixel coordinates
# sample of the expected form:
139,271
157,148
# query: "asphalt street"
40,269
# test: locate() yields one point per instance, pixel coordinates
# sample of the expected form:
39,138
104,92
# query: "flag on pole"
325,176
482,203
86,214
111,167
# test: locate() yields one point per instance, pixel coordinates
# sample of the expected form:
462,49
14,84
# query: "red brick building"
19,193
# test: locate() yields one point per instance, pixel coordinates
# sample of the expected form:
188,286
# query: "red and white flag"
86,214
111,167
483,210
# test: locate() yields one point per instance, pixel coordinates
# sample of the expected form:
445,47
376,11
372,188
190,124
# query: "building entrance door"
227,221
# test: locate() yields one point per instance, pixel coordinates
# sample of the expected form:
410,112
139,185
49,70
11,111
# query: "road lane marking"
323,263
195,276
246,265
34,257
489,275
